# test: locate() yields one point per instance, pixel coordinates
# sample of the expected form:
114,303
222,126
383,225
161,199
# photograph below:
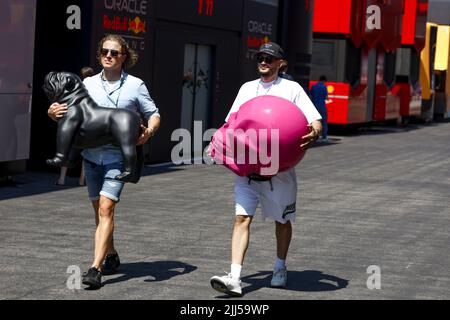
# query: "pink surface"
247,143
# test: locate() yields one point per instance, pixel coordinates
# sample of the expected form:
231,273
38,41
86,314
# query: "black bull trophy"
86,125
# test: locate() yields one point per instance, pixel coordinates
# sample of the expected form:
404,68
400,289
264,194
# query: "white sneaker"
226,284
279,278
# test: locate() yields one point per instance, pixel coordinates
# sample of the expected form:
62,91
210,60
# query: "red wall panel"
332,16
409,22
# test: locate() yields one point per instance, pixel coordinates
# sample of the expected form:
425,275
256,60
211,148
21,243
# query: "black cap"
273,49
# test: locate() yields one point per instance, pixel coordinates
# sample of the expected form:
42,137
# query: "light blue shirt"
129,93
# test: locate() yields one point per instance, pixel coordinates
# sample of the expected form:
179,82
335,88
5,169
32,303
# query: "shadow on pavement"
306,281
31,183
157,271
329,142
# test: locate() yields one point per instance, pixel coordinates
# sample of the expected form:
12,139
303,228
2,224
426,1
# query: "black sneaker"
112,263
92,278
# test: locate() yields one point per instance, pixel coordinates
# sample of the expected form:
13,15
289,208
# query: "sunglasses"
267,59
114,53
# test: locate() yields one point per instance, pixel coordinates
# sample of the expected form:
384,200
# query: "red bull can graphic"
137,26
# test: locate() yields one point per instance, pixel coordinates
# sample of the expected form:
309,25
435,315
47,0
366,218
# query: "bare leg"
62,175
231,283
240,238
104,231
110,246
82,181
95,205
283,233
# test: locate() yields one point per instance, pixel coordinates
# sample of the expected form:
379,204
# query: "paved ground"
380,197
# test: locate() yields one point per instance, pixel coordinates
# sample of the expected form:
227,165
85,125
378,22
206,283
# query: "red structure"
356,46
408,57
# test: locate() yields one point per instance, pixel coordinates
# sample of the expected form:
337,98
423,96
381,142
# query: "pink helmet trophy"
263,137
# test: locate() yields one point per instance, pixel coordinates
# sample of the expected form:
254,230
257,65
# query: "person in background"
319,96
283,71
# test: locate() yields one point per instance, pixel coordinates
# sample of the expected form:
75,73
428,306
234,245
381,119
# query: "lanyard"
267,90
109,94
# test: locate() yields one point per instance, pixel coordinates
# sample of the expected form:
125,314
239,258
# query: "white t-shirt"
289,90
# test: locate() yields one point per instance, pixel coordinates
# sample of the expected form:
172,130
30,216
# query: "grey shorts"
100,180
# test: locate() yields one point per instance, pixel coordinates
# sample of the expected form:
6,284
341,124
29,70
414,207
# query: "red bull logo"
115,23
137,25
255,42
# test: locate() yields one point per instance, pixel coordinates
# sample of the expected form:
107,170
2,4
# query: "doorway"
197,90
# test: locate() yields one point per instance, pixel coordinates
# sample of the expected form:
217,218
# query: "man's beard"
266,74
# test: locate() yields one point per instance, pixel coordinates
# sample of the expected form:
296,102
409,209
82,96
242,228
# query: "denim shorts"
100,180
